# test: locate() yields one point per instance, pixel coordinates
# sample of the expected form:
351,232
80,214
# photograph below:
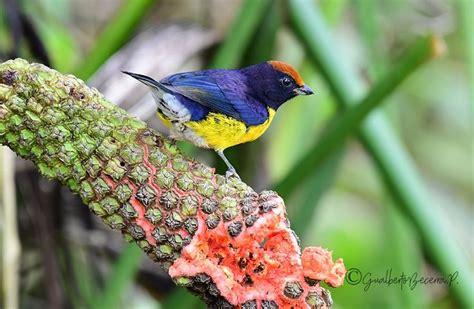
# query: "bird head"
275,82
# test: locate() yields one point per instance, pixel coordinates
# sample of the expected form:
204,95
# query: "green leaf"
404,256
366,19
60,45
51,19
120,278
238,38
333,9
262,45
115,34
82,292
181,298
350,119
312,191
466,8
393,162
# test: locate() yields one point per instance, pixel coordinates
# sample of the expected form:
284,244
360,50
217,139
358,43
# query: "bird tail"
147,80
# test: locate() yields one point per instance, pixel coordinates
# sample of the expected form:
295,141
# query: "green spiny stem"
74,135
205,230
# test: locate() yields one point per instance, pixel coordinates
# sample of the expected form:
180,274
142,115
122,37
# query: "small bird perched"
220,108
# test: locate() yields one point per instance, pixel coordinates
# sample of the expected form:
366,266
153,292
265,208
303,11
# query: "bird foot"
231,173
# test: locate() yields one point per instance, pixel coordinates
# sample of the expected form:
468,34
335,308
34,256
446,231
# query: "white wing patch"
170,106
178,114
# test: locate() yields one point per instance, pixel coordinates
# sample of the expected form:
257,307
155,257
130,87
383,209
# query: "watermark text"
355,276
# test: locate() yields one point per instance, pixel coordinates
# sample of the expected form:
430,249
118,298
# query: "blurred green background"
377,166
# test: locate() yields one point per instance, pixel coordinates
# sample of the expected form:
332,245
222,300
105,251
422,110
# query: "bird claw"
231,170
231,173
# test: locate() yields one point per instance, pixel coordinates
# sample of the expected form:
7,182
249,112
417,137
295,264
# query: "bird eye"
286,81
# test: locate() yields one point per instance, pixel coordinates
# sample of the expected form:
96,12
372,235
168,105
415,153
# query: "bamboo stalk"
240,34
393,162
352,117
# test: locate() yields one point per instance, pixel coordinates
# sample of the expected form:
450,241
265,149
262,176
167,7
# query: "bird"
221,108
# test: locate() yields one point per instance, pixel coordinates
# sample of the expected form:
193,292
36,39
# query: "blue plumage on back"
221,91
201,88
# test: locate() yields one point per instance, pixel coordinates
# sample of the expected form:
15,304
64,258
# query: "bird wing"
203,88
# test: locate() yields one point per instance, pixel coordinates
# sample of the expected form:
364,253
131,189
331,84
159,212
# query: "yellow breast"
220,131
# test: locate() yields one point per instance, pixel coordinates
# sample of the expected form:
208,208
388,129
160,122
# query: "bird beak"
303,90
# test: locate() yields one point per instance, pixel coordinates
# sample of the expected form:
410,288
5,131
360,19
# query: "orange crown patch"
288,69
